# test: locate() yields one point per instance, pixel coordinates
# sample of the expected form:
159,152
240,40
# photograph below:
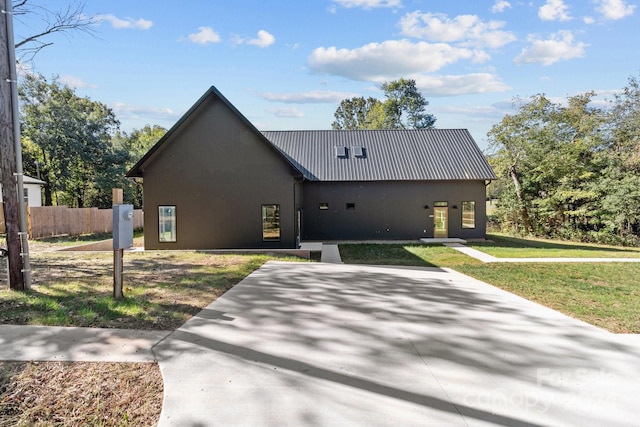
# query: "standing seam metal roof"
391,155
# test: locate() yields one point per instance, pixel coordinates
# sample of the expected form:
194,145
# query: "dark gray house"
215,181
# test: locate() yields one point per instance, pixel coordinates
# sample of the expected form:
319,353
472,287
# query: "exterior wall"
218,176
34,194
389,210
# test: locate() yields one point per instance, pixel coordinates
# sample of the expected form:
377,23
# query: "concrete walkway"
484,257
64,344
315,344
330,254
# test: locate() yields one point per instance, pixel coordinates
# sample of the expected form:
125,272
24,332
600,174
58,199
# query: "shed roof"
386,155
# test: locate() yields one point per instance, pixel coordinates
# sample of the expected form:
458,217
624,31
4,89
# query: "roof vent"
359,151
341,152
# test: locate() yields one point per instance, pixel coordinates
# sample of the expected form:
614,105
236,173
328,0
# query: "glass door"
441,220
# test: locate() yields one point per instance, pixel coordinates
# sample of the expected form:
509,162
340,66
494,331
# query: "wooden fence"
49,221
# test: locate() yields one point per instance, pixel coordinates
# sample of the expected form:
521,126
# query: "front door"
441,222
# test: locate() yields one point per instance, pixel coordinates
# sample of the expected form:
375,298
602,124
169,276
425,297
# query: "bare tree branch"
63,21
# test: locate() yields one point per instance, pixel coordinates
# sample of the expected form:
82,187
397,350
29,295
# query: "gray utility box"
122,226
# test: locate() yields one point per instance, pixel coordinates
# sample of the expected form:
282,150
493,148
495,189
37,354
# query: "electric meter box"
122,226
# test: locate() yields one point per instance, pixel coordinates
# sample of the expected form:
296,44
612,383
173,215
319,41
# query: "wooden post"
8,156
118,197
118,273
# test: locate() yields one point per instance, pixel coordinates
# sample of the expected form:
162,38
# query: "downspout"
22,211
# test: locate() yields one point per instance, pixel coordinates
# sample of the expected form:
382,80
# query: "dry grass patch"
79,394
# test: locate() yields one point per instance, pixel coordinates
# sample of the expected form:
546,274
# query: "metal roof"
389,155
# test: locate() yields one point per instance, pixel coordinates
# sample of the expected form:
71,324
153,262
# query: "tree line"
570,169
75,145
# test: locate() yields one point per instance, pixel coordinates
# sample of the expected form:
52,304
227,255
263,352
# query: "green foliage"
570,170
403,108
136,145
70,138
75,145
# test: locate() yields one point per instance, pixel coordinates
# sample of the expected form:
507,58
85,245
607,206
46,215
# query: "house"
32,191
215,181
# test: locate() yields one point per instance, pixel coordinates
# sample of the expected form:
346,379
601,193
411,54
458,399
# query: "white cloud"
312,97
389,59
476,83
286,112
264,39
614,9
126,23
75,82
554,10
588,20
204,35
468,30
500,6
368,4
560,47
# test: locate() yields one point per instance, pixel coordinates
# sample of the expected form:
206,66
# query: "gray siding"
217,175
388,210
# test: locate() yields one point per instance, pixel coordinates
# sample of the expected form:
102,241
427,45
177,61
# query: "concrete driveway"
314,344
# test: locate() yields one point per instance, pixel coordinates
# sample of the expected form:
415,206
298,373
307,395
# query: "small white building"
32,191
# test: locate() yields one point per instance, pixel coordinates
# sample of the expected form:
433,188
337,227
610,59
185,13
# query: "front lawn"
603,294
513,247
162,289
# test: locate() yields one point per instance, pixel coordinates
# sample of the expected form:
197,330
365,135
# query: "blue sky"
286,64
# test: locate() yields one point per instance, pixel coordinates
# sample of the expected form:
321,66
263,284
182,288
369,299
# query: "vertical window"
270,223
468,214
167,223
26,195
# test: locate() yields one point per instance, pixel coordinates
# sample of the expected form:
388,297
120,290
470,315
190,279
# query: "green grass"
502,246
162,289
409,255
603,294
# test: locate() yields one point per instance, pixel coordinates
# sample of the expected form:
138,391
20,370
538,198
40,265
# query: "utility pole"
11,157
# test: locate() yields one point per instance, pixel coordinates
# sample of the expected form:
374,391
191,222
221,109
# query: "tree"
355,113
549,153
136,145
11,162
403,108
73,136
62,21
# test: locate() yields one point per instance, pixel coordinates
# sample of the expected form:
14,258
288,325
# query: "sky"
287,64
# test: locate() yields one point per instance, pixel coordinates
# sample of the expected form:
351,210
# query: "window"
351,206
341,152
468,214
324,206
270,223
167,223
26,195
359,151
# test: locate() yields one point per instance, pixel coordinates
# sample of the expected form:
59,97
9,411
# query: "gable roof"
137,171
387,155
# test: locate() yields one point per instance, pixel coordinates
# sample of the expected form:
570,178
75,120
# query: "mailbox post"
122,239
